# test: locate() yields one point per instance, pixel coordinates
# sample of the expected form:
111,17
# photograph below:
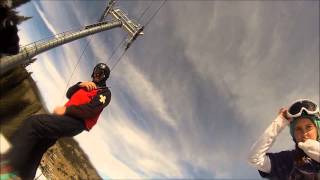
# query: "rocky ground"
20,98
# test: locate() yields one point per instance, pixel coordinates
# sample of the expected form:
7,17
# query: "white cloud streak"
135,147
145,93
241,52
44,18
152,159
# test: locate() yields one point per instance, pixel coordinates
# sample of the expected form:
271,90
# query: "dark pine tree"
9,19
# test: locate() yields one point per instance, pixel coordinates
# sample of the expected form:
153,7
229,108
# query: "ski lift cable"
121,56
123,53
76,66
150,4
36,178
115,49
162,4
126,36
118,60
78,61
156,12
118,46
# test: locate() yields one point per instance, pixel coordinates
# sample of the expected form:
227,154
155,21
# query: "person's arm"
91,109
311,148
87,85
72,90
257,156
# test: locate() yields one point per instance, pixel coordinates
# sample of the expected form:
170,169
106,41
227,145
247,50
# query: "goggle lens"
297,107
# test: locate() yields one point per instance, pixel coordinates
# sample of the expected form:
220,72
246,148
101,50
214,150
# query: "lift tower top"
119,19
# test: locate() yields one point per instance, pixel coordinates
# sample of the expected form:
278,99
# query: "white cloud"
115,136
103,160
136,148
41,13
70,53
245,71
152,160
255,79
144,91
244,52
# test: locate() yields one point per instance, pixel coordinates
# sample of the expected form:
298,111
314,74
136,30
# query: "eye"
309,127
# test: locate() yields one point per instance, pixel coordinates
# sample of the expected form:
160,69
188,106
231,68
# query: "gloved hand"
311,148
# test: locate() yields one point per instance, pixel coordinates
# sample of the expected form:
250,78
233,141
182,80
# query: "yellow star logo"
102,99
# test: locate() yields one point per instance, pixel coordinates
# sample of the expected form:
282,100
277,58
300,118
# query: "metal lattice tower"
119,19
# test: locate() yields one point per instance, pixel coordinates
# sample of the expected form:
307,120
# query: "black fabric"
101,84
9,39
72,90
35,136
91,109
9,43
283,166
30,168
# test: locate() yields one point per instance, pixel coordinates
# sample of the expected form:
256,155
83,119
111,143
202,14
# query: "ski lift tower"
119,19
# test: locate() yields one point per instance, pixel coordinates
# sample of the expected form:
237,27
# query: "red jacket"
87,105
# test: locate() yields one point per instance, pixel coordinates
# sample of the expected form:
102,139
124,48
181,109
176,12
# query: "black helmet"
103,68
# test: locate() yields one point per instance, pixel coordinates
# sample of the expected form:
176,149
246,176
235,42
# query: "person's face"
98,75
304,130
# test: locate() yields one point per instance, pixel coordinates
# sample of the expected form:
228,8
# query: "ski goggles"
297,108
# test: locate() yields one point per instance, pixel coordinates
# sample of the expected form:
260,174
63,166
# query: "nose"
97,75
305,134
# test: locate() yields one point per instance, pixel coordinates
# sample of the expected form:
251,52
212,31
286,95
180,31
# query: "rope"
115,49
145,10
74,69
119,59
162,4
125,37
39,176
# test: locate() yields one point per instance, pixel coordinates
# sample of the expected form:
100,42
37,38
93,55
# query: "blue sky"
192,95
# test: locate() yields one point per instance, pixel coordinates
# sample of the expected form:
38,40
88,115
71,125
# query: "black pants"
35,136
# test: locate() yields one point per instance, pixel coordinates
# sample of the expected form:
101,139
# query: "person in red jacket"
39,132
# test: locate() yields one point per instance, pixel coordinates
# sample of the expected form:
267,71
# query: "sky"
192,94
